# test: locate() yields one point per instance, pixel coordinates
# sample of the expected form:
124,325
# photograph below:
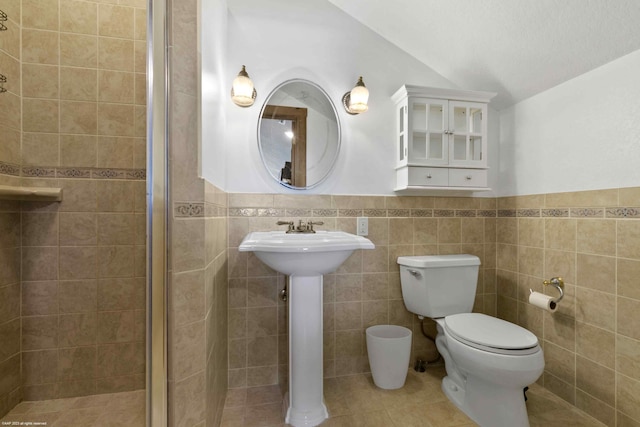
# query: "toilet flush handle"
415,273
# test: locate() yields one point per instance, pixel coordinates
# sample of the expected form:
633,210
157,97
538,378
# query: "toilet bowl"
484,379
489,361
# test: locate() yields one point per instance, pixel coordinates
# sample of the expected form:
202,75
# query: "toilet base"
488,406
453,392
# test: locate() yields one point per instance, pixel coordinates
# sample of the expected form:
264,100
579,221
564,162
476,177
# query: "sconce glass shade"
243,94
356,101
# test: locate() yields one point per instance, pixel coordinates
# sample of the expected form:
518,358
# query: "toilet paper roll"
543,301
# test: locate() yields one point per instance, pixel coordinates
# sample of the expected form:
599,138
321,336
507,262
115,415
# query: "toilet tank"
439,285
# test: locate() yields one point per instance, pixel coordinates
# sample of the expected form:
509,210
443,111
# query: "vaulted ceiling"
517,48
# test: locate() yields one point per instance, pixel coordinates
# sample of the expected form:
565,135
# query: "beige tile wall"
198,326
10,101
364,291
592,343
83,79
198,249
83,290
10,131
10,392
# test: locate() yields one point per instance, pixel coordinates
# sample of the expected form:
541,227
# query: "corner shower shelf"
34,194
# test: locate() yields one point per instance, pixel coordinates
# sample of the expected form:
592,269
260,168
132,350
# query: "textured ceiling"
517,48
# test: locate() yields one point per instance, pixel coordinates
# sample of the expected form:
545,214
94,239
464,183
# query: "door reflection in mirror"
298,134
284,131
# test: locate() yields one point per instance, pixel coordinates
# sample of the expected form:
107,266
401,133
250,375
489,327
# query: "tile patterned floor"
101,410
352,401
355,401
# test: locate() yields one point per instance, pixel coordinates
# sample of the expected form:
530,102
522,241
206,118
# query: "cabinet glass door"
428,120
467,126
402,136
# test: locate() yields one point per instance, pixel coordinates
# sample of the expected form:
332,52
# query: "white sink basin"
306,254
305,258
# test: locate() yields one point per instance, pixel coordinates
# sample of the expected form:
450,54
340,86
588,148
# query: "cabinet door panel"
460,148
419,145
467,146
402,136
428,127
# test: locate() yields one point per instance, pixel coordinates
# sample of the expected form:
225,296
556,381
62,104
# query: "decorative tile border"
71,173
182,209
198,210
487,213
623,212
39,172
375,213
271,212
587,212
465,213
422,213
555,213
444,213
615,212
326,213
9,169
528,213
140,174
242,212
397,213
349,212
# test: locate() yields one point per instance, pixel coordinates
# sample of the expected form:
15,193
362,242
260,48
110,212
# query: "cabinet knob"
468,177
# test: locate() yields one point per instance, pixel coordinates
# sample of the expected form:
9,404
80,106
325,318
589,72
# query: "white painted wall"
581,135
214,86
281,39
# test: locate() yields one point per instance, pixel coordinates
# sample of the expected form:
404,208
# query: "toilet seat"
490,334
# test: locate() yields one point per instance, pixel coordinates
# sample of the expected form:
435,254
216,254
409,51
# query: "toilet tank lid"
433,261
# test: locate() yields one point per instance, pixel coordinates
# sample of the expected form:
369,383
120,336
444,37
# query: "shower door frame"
157,213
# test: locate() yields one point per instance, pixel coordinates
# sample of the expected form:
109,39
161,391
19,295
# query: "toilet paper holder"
557,283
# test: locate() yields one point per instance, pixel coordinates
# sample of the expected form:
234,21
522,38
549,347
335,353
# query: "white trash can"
389,349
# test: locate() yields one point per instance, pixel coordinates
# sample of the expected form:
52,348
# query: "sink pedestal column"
305,399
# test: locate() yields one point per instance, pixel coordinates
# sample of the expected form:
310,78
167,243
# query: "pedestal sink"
305,257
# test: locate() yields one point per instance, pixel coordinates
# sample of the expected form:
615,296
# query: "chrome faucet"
302,227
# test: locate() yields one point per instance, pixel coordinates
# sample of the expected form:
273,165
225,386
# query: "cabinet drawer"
467,178
428,176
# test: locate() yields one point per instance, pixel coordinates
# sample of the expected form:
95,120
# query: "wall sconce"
355,102
243,94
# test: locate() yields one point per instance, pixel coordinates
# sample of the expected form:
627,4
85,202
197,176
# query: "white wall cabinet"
441,139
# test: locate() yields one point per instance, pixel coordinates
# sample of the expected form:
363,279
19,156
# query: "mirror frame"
339,136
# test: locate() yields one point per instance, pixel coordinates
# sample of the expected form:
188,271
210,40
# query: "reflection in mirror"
298,134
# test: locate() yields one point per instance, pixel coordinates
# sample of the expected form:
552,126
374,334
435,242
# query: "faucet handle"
290,227
311,224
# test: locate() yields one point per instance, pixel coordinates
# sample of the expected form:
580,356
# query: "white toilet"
489,361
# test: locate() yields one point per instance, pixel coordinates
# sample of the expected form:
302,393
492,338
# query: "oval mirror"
299,134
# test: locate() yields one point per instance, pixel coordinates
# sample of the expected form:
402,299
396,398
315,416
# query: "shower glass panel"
74,271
